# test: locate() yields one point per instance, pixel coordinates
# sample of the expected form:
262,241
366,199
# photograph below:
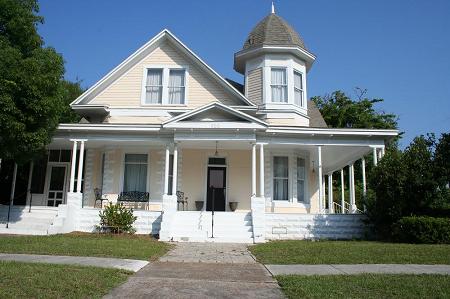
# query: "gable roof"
253,122
143,51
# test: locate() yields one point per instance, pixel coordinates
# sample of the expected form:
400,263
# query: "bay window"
278,85
135,173
298,89
280,178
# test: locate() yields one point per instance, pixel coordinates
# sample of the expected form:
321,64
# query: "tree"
340,111
30,83
70,91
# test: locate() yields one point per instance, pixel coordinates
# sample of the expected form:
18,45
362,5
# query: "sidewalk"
358,269
103,262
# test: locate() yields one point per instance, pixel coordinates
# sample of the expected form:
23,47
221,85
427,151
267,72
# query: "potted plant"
199,205
233,205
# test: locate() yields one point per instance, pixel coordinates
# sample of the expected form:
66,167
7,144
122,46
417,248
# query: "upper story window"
278,84
154,87
298,88
165,86
176,86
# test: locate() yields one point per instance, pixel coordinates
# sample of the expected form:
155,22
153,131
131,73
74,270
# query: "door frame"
206,180
47,180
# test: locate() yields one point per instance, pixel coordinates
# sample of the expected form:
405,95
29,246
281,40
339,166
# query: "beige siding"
201,88
238,176
297,120
254,86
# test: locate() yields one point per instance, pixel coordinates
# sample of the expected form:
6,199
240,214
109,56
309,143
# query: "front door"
56,185
215,197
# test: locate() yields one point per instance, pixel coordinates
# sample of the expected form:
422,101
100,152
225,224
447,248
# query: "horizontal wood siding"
254,86
201,88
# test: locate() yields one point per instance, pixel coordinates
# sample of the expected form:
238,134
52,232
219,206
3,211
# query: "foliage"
349,252
70,91
116,218
340,111
442,161
422,229
407,183
57,281
85,244
30,76
367,286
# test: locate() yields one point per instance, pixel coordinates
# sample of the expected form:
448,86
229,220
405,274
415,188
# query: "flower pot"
233,205
199,205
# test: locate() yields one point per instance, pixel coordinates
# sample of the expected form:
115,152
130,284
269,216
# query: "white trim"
214,105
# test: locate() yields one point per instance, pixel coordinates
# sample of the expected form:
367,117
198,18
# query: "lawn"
24,280
366,286
349,252
81,244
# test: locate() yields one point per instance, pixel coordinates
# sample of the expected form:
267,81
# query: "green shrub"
116,218
422,229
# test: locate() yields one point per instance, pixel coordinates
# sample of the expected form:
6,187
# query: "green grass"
366,286
120,246
349,252
25,280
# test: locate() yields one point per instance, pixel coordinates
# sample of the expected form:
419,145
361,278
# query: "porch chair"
99,197
181,200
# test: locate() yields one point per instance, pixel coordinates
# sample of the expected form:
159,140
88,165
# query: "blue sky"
398,50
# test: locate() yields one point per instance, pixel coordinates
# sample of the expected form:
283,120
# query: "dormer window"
278,85
164,85
298,89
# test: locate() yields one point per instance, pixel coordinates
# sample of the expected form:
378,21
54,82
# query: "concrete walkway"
201,270
125,264
358,269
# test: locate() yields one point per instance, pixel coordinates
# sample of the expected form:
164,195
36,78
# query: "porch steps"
23,222
229,227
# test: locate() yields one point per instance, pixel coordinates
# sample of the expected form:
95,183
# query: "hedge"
422,229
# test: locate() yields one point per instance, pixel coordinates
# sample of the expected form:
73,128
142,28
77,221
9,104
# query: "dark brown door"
216,189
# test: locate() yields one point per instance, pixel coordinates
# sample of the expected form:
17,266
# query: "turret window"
279,85
298,89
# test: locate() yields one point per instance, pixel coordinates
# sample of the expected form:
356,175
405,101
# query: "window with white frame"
135,172
278,84
298,88
176,86
300,179
154,86
165,86
280,178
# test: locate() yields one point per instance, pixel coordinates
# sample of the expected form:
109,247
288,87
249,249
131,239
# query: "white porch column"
375,158
253,169
261,170
80,166
319,173
166,171
342,192
363,165
175,170
72,166
352,188
330,194
30,177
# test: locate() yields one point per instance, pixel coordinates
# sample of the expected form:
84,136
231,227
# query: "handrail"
9,206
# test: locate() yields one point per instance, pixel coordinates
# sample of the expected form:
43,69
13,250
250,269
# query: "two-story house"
166,134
